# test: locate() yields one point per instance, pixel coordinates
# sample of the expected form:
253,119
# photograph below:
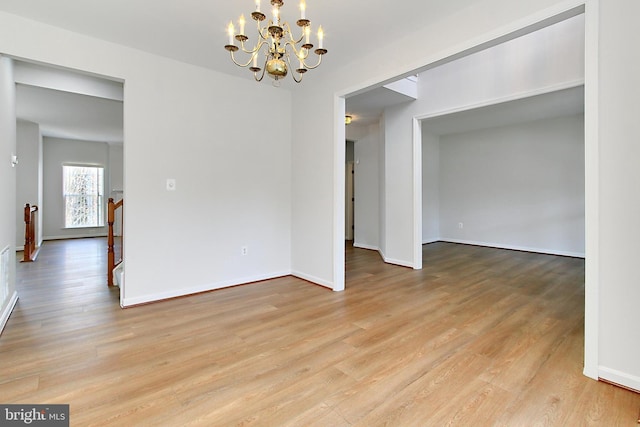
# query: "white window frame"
100,195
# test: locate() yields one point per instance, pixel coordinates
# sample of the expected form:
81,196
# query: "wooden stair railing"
111,255
30,240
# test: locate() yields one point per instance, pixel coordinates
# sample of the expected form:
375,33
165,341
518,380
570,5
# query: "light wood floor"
478,337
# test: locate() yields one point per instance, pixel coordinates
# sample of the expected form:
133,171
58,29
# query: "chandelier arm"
293,75
293,72
233,58
255,49
305,56
300,38
287,30
263,32
297,51
255,75
311,67
301,57
292,47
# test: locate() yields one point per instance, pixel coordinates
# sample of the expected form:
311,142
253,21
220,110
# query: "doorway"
591,164
66,118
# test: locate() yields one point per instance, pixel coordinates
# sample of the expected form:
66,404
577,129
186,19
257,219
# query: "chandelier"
278,44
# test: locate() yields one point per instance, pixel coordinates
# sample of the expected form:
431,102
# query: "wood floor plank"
479,336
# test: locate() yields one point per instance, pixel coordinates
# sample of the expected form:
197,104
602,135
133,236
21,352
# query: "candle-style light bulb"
303,7
300,59
241,21
320,37
257,5
231,30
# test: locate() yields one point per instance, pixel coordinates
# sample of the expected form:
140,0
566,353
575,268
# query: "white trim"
365,246
499,100
516,247
401,263
4,318
313,279
128,302
592,192
384,257
432,240
73,236
21,248
338,190
396,261
417,194
620,378
88,227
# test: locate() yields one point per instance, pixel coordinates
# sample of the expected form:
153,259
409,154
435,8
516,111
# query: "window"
83,191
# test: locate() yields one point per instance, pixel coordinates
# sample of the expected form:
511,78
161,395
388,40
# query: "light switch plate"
171,184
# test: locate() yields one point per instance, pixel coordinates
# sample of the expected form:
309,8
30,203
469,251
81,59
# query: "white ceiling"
193,31
367,107
69,115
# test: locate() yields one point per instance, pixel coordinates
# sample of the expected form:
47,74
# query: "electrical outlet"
171,184
244,250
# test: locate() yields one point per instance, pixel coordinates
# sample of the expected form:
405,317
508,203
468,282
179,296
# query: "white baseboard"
427,241
21,248
386,259
365,246
74,236
145,299
516,248
313,279
620,378
591,372
4,317
399,262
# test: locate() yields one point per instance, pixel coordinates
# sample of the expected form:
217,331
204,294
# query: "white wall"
619,198
29,177
545,60
398,159
233,171
519,186
315,168
550,57
58,152
367,189
116,171
7,184
382,184
430,187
